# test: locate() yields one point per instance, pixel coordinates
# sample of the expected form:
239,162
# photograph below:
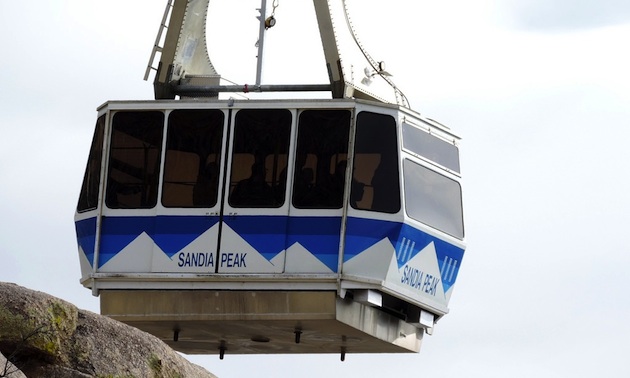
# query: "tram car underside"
272,226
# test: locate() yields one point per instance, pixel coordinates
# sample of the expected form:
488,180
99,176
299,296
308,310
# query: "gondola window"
321,158
433,199
430,147
259,158
193,150
375,179
88,199
134,162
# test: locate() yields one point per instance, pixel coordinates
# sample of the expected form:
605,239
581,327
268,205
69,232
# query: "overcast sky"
539,91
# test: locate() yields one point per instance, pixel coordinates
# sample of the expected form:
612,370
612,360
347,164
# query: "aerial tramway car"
270,225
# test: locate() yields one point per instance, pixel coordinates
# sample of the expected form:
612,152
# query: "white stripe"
450,278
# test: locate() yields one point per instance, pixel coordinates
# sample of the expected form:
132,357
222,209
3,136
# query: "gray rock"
47,337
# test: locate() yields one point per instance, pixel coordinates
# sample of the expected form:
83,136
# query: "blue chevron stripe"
362,233
319,235
170,233
270,235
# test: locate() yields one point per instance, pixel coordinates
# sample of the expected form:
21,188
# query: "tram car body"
272,226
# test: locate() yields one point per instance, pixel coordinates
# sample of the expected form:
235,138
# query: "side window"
88,199
433,199
431,147
259,158
322,150
134,161
375,177
193,151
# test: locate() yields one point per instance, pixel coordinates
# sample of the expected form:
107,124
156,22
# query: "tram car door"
284,191
255,207
375,211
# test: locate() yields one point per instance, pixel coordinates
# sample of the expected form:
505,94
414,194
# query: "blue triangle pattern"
411,242
173,233
266,234
118,232
170,233
361,234
270,235
319,235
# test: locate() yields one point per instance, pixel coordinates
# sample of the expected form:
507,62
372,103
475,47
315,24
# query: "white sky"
539,90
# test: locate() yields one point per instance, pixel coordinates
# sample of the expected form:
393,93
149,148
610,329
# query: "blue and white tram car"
272,226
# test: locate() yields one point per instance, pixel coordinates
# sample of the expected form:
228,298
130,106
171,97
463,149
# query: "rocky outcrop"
44,336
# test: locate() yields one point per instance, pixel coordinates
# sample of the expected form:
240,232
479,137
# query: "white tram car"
272,226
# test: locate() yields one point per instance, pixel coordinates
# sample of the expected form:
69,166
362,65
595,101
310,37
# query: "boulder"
44,336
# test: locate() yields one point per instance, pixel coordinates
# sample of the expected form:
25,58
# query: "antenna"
265,23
